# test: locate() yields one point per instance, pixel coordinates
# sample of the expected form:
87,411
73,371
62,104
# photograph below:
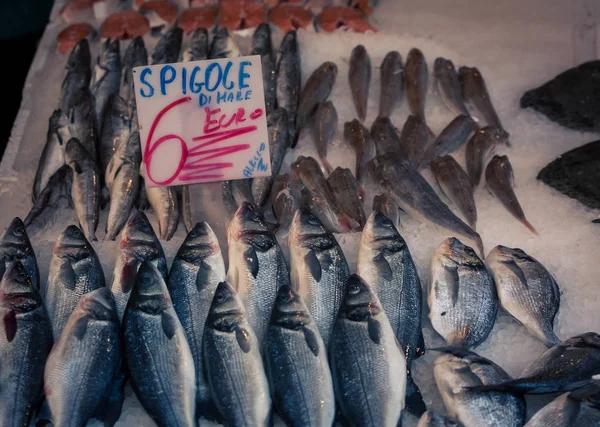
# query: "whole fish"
566,366
454,372
114,130
107,76
347,194
416,75
15,246
288,71
168,47
123,178
386,265
75,270
86,187
235,372
526,290
482,143
296,363
359,78
257,267
222,46
197,49
286,198
53,153
462,298
324,126
83,362
392,83
135,56
447,86
157,354
197,269
561,412
474,92
138,243
165,204
263,46
318,270
279,141
500,177
25,341
316,89
450,139
386,138
455,184
386,206
56,195
359,139
414,139
413,194
82,122
79,74
431,419
363,345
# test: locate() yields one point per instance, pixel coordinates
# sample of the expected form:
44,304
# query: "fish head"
455,253
351,129
452,373
75,154
119,107
17,293
200,36
289,311
503,254
261,39
495,135
149,293
72,244
304,226
442,64
82,107
138,235
99,304
247,220
80,55
223,45
381,128
359,51
110,56
131,149
329,69
360,303
305,166
136,53
289,42
379,233
201,242
588,339
14,242
226,310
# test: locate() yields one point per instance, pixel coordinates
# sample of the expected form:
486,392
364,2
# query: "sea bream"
262,45
359,140
15,246
288,71
561,412
324,127
448,87
479,146
347,194
416,76
359,78
107,76
392,83
79,74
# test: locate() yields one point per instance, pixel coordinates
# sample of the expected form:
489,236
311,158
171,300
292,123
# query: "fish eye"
354,289
73,232
144,226
194,233
146,278
313,220
221,297
19,231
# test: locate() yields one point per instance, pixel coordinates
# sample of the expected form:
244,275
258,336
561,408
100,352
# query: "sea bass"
480,145
416,76
107,76
197,49
223,46
447,86
114,130
79,74
288,71
359,78
262,45
15,246
165,204
168,47
392,83
135,56
324,126
82,122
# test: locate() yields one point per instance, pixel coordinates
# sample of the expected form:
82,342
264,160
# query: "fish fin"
414,400
452,280
252,260
202,276
529,226
420,348
169,324
80,327
325,260
128,274
311,340
117,171
516,270
383,267
9,321
243,338
375,332
68,275
313,264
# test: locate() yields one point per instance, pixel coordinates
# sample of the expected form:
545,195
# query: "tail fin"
529,226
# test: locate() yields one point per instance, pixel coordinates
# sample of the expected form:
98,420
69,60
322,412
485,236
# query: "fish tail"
479,243
326,165
345,223
529,226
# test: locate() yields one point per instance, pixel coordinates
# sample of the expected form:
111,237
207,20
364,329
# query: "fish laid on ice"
386,138
363,345
288,71
79,74
114,130
479,146
461,295
107,76
324,126
386,206
286,199
499,177
448,87
414,139
392,83
450,139
416,75
223,46
15,246
197,49
168,47
56,195
359,139
347,194
262,45
359,78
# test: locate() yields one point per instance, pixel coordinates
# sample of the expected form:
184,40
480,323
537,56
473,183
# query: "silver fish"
53,153
347,194
257,267
414,139
413,194
482,143
15,246
474,92
288,71
82,124
114,130
83,362
235,372
386,138
453,373
454,135
392,83
416,75
157,354
561,412
79,74
75,270
461,295
138,243
500,177
386,206
86,187
526,290
318,270
25,341
123,179
107,76
324,126
168,47
222,46
285,200
296,362
316,89
55,196
447,86
263,46
197,269
279,141
198,47
135,56
455,184
363,345
359,77
359,139
431,419
165,204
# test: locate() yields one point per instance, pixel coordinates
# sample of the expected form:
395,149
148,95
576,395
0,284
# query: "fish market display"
479,146
416,76
263,46
16,247
461,296
526,290
286,198
347,194
363,346
324,125
236,376
289,80
384,205
107,76
448,86
25,342
359,78
296,363
359,139
392,83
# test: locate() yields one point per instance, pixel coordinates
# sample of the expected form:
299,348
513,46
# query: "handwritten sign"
202,121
